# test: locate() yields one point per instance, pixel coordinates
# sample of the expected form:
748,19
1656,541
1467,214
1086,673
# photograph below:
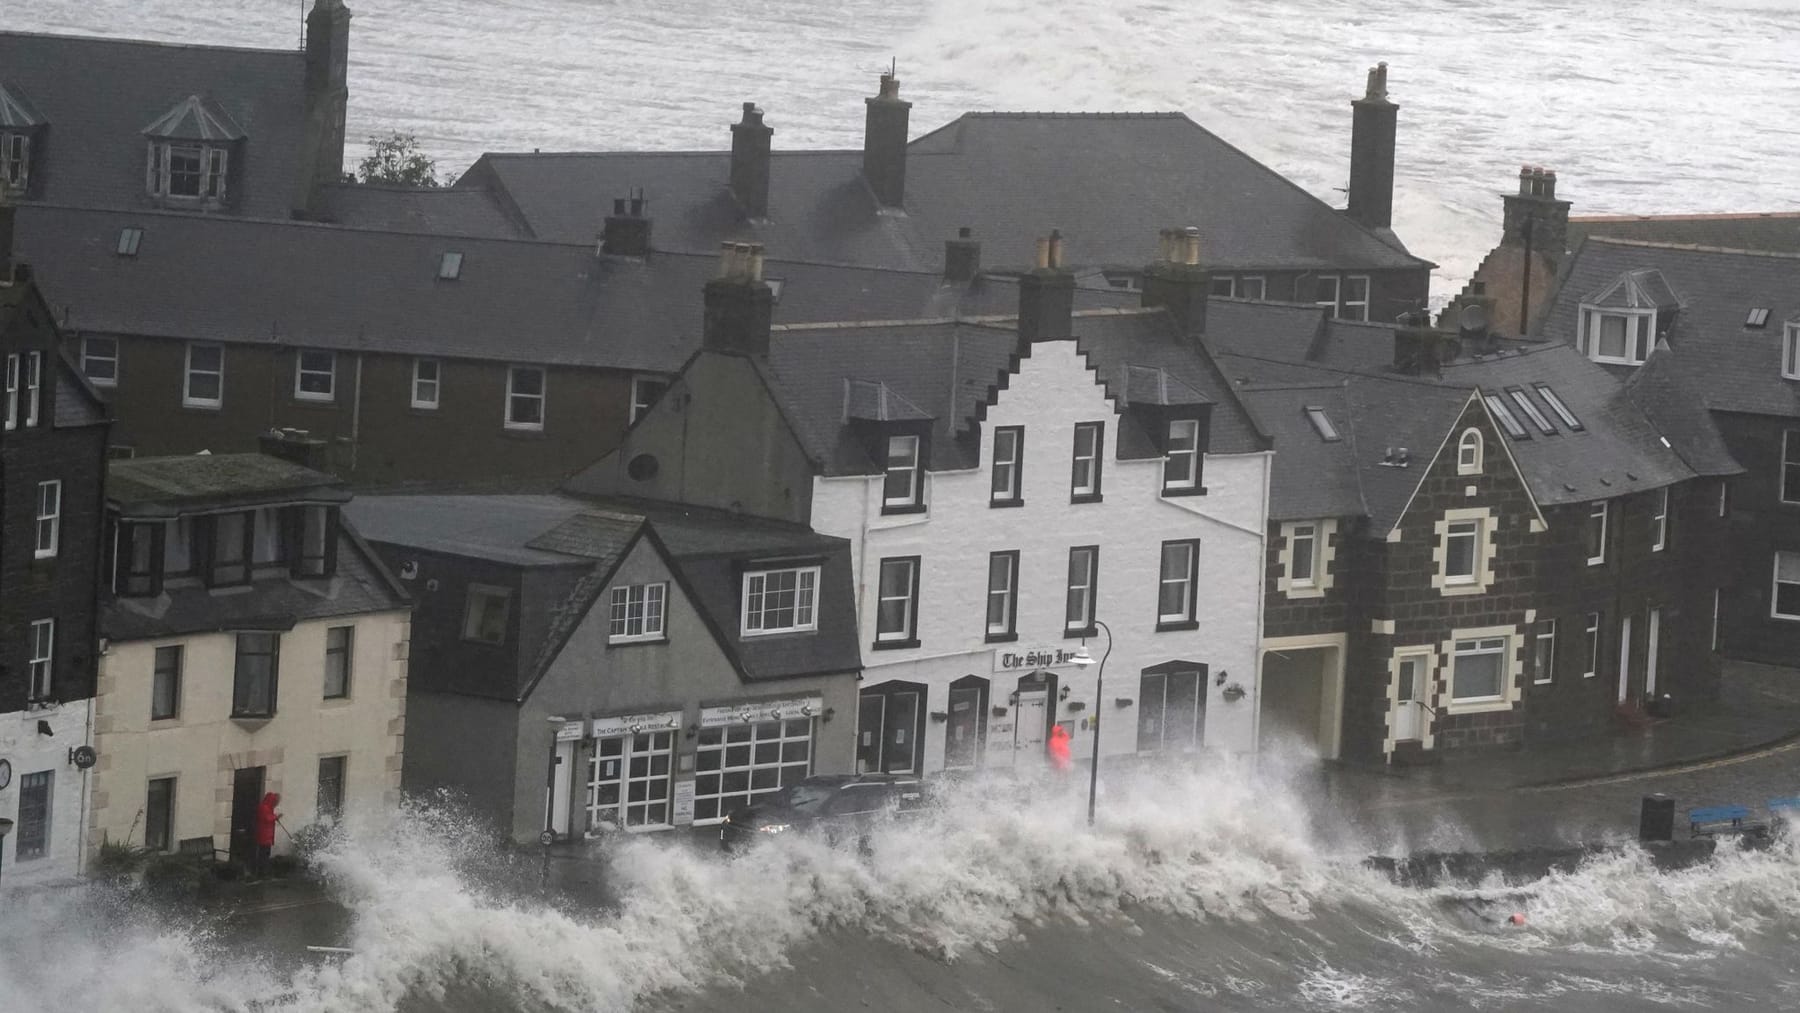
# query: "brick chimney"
1047,295
884,143
739,305
1178,281
750,162
627,230
1372,131
327,95
1534,216
962,256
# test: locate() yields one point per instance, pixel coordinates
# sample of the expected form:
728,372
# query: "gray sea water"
1652,106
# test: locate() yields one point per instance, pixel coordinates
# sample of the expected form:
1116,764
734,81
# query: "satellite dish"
1474,318
83,757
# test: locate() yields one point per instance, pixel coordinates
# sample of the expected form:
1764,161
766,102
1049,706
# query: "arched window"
1468,453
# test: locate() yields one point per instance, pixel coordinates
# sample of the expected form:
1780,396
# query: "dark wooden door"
246,795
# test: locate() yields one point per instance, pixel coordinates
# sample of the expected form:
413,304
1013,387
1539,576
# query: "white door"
1409,723
1028,726
1624,658
1653,633
562,766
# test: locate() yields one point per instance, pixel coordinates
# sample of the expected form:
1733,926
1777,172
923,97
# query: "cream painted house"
253,644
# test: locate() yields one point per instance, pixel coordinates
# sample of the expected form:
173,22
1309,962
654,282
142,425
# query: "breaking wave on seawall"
1220,853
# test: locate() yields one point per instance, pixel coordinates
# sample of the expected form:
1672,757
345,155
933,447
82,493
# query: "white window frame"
1355,309
214,165
1482,644
1474,530
347,652
1008,595
1524,403
1543,653
1303,534
420,384
645,606
1601,509
1793,578
641,402
903,459
1790,468
1591,640
1661,520
302,372
1790,351
12,390
1337,288
1091,459
1292,534
15,161
1085,589
1182,431
49,519
1223,286
542,397
806,601
1640,331
1186,577
188,372
908,599
1252,281
1010,490
1503,415
88,357
42,668
1469,448
34,384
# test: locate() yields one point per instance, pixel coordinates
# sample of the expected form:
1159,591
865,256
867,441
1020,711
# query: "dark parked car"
838,806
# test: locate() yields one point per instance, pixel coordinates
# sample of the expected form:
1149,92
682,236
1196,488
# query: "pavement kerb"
1789,738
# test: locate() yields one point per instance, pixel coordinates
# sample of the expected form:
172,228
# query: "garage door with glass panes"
629,771
744,753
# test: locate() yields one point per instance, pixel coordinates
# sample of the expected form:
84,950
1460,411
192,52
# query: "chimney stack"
326,97
962,257
884,143
296,446
1178,282
1372,132
1047,295
1535,210
750,162
739,305
627,230
1418,349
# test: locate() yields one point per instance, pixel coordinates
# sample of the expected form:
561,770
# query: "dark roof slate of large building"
1733,366
364,290
1108,181
169,486
98,97
1768,230
947,370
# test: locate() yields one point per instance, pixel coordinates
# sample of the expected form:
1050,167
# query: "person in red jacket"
266,818
1060,760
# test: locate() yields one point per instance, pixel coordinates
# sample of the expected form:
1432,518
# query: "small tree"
396,158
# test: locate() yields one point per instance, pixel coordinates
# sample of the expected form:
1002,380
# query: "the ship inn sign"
1032,659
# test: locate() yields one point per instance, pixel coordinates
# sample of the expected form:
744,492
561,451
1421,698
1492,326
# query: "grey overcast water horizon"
1655,107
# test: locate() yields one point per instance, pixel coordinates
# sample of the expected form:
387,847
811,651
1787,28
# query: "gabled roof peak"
1644,288
16,110
196,118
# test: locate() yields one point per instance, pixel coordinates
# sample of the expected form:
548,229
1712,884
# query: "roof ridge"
124,41
1692,247
1699,217
1162,114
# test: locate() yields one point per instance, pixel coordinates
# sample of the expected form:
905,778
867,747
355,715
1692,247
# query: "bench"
201,850
1722,819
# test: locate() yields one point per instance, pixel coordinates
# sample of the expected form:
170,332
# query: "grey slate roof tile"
98,114
1107,181
1666,395
1771,230
443,211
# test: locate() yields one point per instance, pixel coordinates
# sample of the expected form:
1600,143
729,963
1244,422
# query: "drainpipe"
1262,557
356,415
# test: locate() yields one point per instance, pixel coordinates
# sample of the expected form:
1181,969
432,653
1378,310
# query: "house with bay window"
253,643
52,470
1473,542
1714,333
1012,489
583,666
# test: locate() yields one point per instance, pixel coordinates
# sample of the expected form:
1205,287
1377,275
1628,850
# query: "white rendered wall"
30,751
1054,390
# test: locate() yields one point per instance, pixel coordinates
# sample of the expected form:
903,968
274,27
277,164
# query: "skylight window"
450,268
1758,318
1507,421
129,238
1523,400
1322,423
1556,405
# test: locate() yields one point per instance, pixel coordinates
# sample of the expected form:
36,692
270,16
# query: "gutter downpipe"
1261,593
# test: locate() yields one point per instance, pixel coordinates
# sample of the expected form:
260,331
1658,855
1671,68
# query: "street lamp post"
1084,659
6,826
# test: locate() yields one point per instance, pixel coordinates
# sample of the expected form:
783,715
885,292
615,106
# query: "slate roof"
947,370
359,586
98,96
1108,181
1768,230
444,211
1665,393
365,290
1733,367
170,486
705,548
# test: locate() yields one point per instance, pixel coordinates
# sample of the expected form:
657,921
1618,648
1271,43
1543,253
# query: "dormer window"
15,161
1181,461
904,473
189,154
1612,336
20,124
1790,351
186,170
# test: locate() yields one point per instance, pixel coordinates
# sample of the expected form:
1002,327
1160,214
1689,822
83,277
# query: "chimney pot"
1190,245
618,205
964,232
1178,282
1047,295
739,306
626,232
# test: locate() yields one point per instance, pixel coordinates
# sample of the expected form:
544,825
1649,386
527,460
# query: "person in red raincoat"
1059,750
266,818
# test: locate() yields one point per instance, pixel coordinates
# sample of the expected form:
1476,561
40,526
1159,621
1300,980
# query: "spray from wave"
1201,884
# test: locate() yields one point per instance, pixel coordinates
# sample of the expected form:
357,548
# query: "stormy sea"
1194,891
1657,106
